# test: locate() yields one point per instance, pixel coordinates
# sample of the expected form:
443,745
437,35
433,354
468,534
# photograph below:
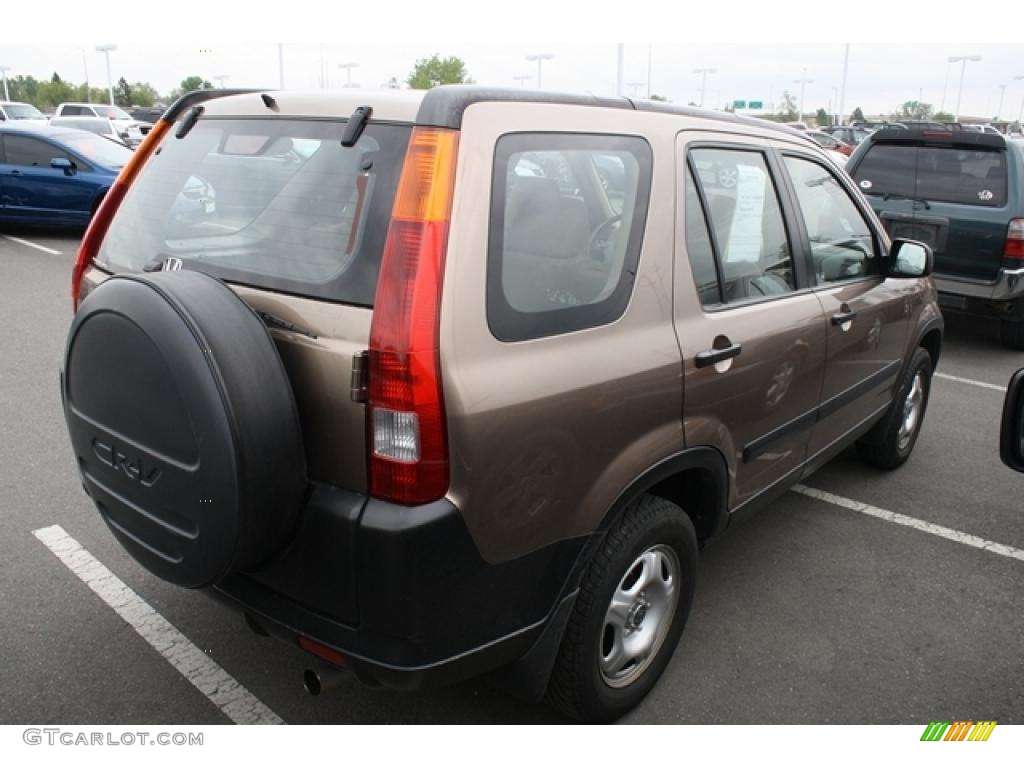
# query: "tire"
184,425
889,444
1011,333
591,684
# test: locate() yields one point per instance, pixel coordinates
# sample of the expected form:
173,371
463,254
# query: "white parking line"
912,522
32,245
233,699
983,384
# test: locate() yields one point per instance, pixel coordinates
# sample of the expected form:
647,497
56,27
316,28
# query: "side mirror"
63,164
909,258
1011,436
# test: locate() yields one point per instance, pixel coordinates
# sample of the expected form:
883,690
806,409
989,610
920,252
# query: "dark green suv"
961,193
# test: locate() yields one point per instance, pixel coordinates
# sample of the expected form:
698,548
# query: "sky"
769,48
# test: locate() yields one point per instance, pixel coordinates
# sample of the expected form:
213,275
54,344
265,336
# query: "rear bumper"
402,592
1008,286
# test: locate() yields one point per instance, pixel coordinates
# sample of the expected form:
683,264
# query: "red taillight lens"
1014,249
407,437
100,222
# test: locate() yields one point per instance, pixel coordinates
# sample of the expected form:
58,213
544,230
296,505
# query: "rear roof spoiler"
938,137
192,98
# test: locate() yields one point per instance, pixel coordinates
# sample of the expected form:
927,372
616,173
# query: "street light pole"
105,49
650,56
704,72
348,66
540,58
635,85
85,66
1002,93
1020,114
945,85
803,81
3,72
521,79
842,91
620,68
963,69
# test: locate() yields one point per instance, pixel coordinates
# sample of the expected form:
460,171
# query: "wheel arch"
695,479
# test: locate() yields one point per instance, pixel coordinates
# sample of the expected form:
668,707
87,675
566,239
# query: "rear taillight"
100,222
1014,249
407,436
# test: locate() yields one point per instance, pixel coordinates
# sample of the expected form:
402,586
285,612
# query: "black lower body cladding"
184,425
403,592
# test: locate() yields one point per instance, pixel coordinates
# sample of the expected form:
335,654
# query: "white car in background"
101,126
17,110
128,128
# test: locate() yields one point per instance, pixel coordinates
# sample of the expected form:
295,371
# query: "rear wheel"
631,610
1011,332
889,444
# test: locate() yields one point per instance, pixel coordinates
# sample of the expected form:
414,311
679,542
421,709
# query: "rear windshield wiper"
896,196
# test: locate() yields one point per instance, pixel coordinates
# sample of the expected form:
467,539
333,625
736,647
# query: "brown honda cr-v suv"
439,383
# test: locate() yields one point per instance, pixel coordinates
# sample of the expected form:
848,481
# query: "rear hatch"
948,189
296,224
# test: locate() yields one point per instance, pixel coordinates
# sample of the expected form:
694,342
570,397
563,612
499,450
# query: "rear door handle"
712,356
16,173
843,317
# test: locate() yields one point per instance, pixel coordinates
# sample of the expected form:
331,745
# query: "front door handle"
16,173
712,356
843,317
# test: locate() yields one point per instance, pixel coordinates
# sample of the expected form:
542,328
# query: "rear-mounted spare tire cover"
184,425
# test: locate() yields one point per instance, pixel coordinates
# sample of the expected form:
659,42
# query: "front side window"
567,215
743,207
842,245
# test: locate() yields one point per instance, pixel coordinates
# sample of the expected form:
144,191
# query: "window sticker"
746,234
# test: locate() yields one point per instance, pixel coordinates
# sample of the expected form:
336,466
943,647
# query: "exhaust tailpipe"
320,679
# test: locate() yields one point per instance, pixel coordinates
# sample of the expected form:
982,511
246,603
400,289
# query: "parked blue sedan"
55,176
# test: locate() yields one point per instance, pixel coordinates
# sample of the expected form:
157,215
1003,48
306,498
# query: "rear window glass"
272,203
968,176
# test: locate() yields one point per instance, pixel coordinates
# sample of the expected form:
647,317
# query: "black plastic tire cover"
184,425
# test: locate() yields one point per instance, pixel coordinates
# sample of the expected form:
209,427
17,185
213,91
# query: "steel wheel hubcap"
639,616
912,407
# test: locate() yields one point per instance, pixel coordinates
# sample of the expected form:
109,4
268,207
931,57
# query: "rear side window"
567,219
750,237
272,203
969,176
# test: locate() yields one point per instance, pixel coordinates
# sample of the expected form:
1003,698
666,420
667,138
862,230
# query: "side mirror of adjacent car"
909,258
63,164
1011,436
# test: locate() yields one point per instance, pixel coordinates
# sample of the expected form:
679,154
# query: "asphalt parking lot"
811,612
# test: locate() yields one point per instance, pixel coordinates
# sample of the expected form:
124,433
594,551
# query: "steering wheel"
601,239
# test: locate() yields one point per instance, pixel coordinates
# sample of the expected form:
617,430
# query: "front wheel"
889,443
631,610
